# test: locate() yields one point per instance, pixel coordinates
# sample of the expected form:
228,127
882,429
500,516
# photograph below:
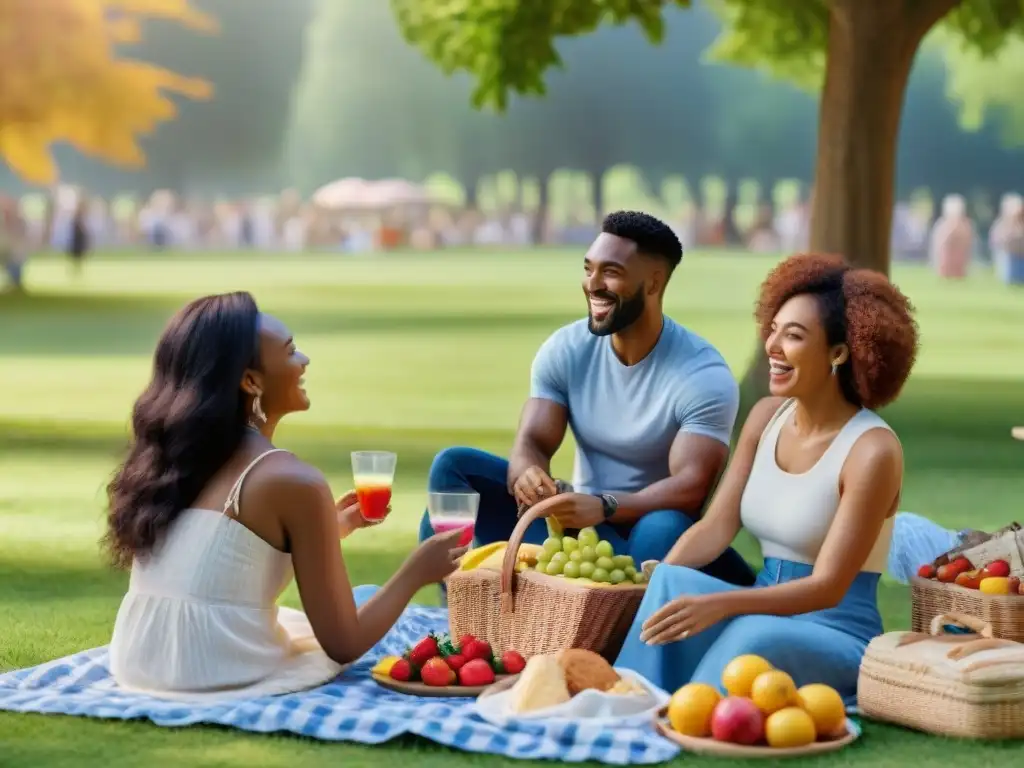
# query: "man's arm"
545,416
541,431
698,454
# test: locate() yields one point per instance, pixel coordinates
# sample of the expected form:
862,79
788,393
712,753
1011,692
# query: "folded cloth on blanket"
352,708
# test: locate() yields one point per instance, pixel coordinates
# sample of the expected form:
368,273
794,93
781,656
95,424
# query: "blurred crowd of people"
75,223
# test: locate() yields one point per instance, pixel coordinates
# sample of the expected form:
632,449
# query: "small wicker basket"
929,598
929,682
534,613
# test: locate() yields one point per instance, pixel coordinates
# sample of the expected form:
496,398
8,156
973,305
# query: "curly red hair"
860,308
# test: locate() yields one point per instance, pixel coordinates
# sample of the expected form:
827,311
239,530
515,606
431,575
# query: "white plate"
592,706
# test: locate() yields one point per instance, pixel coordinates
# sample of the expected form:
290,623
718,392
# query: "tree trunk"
730,229
540,219
597,181
871,48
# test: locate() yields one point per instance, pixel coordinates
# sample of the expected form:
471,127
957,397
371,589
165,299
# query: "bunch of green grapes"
587,557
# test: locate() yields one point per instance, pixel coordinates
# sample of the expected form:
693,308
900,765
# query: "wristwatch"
609,503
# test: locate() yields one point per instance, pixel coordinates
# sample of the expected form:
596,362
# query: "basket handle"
975,646
508,565
973,623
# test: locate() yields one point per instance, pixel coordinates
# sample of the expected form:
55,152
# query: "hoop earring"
835,368
257,411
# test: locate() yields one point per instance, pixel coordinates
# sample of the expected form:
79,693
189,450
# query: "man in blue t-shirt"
651,406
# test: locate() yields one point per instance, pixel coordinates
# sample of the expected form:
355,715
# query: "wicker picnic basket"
965,685
1004,613
534,613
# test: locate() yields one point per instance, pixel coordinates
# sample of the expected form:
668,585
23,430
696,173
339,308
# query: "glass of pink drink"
450,511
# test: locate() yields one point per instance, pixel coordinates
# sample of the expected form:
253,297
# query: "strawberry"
513,662
401,671
437,673
424,651
476,649
464,641
476,672
456,661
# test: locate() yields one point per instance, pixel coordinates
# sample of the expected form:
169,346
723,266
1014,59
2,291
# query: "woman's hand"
682,618
350,515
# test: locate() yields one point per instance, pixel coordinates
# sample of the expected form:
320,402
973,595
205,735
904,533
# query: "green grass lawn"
411,353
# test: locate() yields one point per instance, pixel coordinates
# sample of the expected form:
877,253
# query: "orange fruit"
773,690
789,727
825,706
690,708
740,673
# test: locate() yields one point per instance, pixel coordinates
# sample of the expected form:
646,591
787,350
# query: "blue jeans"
649,538
819,647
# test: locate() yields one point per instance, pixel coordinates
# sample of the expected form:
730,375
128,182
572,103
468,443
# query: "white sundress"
200,620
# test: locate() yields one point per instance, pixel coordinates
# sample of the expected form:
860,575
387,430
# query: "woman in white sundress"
214,522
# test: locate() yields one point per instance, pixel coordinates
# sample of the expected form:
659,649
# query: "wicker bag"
966,685
1004,613
534,613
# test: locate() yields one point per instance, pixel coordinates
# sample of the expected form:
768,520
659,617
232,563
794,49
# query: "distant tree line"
307,91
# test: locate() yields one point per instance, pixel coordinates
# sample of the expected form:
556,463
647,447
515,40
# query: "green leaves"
509,45
786,38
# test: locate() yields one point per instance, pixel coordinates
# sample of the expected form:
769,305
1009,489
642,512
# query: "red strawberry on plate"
513,662
437,673
401,671
477,649
476,672
424,651
456,661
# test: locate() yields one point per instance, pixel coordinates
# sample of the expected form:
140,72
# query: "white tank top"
790,514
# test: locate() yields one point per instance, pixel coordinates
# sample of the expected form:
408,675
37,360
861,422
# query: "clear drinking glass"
373,473
449,511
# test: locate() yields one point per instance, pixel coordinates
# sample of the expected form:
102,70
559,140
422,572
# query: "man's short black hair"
652,236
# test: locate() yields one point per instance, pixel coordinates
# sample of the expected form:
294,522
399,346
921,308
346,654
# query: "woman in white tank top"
214,522
815,476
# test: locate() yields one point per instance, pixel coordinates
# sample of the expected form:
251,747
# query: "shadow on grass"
120,325
327,448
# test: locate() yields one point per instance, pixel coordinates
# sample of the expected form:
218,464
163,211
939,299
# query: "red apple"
962,564
737,720
947,573
926,572
997,568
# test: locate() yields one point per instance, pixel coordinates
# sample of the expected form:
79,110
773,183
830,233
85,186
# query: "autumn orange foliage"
63,80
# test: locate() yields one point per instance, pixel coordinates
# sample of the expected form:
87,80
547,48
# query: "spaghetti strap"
236,490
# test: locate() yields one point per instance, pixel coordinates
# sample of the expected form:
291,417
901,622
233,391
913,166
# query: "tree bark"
540,220
871,48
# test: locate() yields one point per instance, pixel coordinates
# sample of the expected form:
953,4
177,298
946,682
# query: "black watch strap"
609,504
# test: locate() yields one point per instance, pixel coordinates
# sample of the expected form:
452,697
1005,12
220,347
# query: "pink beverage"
443,525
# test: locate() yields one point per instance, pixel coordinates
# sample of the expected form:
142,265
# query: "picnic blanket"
352,708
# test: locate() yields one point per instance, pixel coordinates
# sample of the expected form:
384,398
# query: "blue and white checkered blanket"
352,709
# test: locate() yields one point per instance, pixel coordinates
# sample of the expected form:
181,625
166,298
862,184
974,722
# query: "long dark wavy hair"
187,423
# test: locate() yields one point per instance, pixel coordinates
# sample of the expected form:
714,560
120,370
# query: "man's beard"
621,316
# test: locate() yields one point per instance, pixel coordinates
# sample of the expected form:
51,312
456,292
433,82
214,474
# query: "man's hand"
573,510
350,515
533,486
